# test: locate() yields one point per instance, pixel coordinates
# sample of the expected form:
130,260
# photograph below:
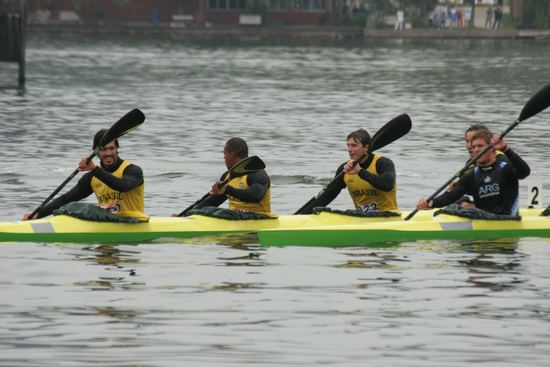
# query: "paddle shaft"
243,167
61,186
335,179
200,200
461,172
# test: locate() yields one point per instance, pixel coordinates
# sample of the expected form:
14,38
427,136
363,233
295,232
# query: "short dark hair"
238,147
99,135
475,128
360,135
483,134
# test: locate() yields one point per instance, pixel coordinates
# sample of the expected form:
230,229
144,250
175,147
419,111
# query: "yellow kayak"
323,229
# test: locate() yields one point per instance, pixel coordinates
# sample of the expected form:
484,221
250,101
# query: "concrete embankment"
287,34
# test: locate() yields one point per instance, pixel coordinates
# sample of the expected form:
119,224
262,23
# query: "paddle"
396,128
244,167
123,126
539,102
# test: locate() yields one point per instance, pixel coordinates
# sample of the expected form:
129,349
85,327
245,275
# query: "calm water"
226,301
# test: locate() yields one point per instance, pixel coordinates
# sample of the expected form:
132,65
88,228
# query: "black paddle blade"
123,126
536,104
246,166
396,128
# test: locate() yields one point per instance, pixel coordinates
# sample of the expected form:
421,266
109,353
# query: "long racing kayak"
442,226
63,228
323,229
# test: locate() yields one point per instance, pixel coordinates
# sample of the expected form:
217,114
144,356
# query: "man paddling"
493,183
117,184
468,135
371,183
248,193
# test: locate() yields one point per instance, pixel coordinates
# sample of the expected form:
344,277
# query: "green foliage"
536,14
78,6
257,7
51,4
324,19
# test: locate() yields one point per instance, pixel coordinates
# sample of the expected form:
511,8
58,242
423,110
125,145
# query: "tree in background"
417,11
536,14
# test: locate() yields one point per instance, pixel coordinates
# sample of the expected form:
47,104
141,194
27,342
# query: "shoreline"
258,34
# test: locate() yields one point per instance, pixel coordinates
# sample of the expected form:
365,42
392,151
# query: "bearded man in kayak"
117,184
371,183
493,183
248,193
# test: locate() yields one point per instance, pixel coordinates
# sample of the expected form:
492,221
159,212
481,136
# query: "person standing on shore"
489,17
498,17
453,16
399,20
467,16
459,13
443,16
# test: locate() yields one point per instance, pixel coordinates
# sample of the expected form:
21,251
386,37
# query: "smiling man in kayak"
248,193
117,184
493,183
371,183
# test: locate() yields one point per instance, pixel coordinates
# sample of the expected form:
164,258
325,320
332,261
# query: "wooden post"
21,42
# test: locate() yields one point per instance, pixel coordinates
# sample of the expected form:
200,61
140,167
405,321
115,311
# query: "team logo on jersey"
487,179
489,190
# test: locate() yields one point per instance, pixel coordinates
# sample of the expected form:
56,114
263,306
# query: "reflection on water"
116,260
109,255
496,265
371,260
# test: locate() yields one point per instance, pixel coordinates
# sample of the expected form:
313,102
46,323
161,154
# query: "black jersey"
495,188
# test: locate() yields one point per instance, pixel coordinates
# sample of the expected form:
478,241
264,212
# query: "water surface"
226,301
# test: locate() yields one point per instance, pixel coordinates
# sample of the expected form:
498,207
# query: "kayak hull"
63,228
324,229
443,227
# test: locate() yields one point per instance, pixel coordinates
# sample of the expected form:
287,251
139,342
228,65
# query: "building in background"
183,13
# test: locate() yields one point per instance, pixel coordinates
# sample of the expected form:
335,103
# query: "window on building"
278,5
310,5
226,4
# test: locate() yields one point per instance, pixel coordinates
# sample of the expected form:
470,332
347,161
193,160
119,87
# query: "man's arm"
82,190
460,189
213,200
521,168
258,183
131,178
385,179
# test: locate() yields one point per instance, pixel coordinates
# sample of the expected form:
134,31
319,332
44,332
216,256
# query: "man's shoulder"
259,174
384,162
132,168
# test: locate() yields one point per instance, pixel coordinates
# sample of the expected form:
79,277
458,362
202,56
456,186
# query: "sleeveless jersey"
365,196
262,207
127,204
